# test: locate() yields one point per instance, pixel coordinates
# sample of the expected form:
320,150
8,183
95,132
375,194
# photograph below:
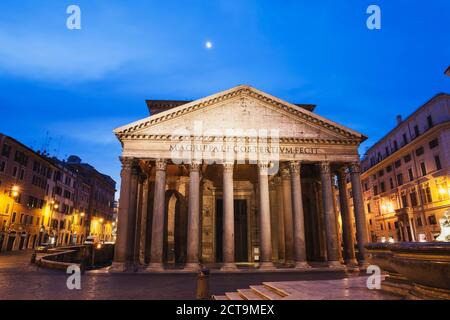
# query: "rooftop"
434,98
157,106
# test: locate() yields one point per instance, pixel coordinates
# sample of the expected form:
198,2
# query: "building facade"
23,193
406,176
237,177
99,190
45,200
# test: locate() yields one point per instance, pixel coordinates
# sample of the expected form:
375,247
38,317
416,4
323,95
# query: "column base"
289,264
266,266
118,267
363,264
352,265
155,267
335,265
351,262
302,265
228,266
192,266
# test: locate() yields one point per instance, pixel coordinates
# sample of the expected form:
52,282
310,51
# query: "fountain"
416,270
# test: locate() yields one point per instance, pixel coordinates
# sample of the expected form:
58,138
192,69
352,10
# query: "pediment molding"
249,140
131,131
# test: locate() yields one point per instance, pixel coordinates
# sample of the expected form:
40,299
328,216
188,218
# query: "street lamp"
14,194
53,206
15,191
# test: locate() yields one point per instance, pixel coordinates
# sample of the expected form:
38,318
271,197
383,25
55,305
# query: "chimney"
399,119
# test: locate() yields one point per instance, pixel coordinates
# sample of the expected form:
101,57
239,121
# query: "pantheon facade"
239,178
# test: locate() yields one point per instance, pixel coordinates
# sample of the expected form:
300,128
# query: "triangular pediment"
242,110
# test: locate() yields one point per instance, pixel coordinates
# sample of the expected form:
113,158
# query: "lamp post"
14,194
82,228
101,229
53,206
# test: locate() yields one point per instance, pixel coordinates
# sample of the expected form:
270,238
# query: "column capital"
342,173
128,163
355,167
295,167
228,165
195,166
325,167
263,167
161,164
285,173
276,180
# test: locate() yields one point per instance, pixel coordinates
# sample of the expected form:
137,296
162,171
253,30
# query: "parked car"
91,240
44,247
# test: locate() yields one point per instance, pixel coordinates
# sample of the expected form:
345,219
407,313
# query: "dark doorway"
175,228
22,240
219,230
11,239
240,231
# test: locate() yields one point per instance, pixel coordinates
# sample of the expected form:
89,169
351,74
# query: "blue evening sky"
77,86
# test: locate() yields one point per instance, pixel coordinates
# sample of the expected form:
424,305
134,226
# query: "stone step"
248,294
220,297
266,293
233,296
278,291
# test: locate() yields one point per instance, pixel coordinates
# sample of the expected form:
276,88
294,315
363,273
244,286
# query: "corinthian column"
288,223
347,225
142,232
264,217
330,217
228,218
280,214
193,234
156,255
123,253
360,216
298,215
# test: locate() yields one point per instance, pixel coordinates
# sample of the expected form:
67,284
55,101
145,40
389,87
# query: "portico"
240,177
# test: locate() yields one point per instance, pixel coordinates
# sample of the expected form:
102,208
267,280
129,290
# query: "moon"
208,45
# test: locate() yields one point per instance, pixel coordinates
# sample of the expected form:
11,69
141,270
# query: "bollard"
33,257
203,285
82,267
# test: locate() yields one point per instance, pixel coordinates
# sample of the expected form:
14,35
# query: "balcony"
404,213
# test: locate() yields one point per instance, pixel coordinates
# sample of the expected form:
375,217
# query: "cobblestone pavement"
21,280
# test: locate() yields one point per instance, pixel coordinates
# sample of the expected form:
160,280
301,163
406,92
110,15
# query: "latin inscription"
244,149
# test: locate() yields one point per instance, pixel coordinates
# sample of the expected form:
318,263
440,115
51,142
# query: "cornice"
212,139
411,146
